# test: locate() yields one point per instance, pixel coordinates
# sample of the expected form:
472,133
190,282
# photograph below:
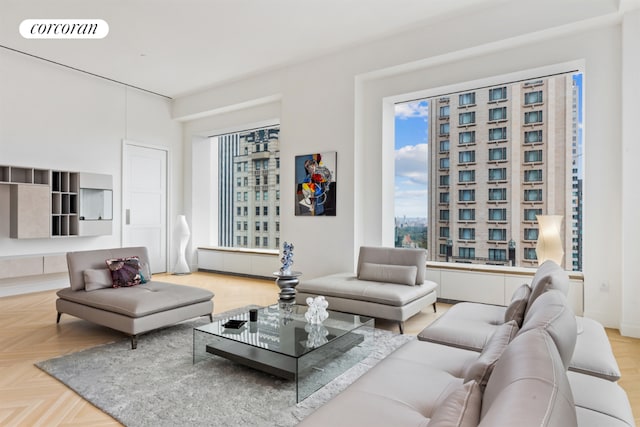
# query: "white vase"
181,233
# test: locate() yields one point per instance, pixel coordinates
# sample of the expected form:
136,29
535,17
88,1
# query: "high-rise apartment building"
498,157
249,189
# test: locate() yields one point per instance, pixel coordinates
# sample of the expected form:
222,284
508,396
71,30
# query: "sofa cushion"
145,272
551,312
460,409
400,274
139,301
79,261
529,386
603,402
346,285
515,310
394,256
465,325
125,271
480,369
593,354
97,278
549,275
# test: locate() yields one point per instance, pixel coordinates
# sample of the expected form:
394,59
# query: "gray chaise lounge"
389,284
132,310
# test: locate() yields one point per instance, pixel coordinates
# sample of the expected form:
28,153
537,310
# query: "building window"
498,234
444,180
533,195
467,156
444,163
245,211
532,117
265,210
467,233
530,214
498,113
498,93
497,154
265,242
244,241
497,194
239,226
530,254
444,145
467,253
444,215
239,197
467,137
467,195
497,134
277,226
245,196
533,136
534,175
257,210
497,254
497,214
444,111
245,225
265,226
533,156
444,197
467,176
467,214
467,98
257,225
531,234
467,118
498,174
444,128
533,98
443,249
444,232
257,242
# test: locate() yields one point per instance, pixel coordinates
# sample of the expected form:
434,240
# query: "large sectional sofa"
389,283
510,370
133,309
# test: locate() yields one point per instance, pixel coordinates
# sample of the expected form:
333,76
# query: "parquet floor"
28,334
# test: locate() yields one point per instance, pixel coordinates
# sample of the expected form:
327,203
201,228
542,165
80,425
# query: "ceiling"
177,47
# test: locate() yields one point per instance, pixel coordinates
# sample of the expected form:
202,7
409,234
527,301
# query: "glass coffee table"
282,343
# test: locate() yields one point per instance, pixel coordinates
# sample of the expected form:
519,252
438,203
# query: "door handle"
128,217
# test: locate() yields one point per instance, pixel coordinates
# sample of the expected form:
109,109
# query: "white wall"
336,103
55,118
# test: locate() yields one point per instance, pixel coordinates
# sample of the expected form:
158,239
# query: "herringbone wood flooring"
28,334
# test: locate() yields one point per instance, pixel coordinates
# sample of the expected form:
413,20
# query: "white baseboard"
630,330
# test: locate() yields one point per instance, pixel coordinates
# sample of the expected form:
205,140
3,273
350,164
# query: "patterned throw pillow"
125,272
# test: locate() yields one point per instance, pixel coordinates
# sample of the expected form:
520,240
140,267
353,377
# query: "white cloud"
412,109
411,163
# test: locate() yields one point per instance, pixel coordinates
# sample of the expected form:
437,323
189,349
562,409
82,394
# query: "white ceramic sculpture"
317,311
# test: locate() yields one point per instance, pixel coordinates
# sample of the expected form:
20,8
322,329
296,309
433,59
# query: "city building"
500,156
249,189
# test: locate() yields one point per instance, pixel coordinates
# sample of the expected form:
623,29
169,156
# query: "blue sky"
411,184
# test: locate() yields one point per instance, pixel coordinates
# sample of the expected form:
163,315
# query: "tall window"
495,158
245,158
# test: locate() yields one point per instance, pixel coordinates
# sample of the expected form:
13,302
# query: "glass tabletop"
284,329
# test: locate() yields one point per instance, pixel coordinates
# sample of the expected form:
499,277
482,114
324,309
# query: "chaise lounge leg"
58,318
434,307
401,327
210,317
134,342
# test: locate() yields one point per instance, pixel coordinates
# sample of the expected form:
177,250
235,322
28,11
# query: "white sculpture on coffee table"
317,311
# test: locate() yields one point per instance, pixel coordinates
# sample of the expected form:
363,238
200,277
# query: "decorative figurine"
317,311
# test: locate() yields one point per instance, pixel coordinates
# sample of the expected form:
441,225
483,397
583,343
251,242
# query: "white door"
144,189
